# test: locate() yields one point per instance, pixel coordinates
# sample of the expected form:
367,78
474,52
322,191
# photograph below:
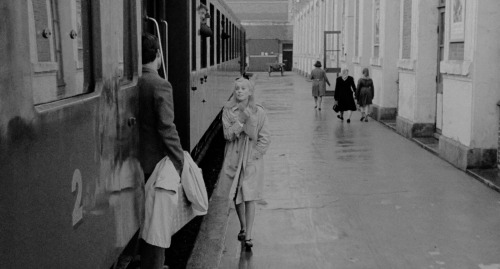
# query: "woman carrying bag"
344,95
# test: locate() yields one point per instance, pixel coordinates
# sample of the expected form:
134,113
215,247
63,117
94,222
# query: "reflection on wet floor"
357,195
246,261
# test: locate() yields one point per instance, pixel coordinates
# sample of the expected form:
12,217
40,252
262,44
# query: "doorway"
288,59
287,49
331,59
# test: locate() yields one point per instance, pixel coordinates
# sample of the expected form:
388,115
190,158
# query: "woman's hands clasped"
244,113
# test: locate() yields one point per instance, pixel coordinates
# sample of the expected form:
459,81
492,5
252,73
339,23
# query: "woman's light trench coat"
245,148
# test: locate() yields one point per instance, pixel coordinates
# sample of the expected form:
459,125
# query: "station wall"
434,64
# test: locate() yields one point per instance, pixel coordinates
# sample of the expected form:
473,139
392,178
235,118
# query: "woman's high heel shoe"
248,243
241,235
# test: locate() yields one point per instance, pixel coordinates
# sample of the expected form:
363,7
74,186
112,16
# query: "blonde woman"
247,139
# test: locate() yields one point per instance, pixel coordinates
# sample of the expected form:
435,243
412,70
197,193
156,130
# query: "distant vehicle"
276,67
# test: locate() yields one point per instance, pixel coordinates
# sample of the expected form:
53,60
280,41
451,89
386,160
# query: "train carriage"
72,188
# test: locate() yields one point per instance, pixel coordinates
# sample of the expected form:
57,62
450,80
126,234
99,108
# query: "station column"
385,54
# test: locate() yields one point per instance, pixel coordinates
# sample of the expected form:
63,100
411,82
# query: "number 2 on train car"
76,185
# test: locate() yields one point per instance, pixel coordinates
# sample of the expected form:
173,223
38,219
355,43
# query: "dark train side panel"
71,191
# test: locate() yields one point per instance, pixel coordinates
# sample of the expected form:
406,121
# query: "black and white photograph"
250,134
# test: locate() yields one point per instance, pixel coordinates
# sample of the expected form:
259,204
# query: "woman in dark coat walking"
344,95
319,79
364,94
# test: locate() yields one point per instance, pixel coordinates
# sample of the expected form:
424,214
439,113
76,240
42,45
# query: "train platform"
350,195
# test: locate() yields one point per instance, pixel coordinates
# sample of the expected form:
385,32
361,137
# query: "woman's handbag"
336,108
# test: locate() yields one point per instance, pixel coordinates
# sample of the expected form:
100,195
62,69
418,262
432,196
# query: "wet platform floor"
356,195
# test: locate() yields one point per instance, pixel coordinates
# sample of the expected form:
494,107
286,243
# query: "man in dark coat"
158,135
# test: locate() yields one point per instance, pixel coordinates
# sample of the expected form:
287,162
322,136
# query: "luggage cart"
276,67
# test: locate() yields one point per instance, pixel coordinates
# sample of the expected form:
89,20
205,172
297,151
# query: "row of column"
434,64
309,26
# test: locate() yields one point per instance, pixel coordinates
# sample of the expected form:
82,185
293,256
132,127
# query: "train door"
440,57
156,24
164,19
331,54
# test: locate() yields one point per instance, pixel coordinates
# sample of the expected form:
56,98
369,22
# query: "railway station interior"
414,183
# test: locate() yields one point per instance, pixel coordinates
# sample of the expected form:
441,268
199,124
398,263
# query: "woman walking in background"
364,94
319,79
247,139
344,95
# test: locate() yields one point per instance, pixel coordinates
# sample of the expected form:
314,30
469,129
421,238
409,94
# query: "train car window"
193,34
230,41
242,43
203,52
57,44
42,17
222,39
244,47
233,41
212,48
203,44
130,37
218,37
226,42
237,42
60,54
124,36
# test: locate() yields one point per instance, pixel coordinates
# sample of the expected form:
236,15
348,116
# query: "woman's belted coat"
245,148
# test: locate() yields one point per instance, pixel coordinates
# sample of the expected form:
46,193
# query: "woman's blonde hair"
251,99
